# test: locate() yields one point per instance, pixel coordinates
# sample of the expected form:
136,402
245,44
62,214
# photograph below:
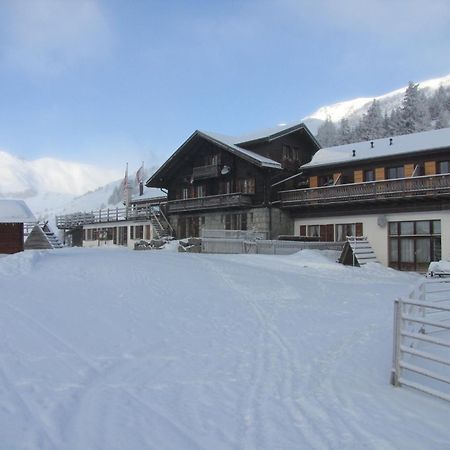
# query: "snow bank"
104,349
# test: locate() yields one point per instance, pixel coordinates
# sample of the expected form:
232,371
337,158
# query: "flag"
140,174
124,186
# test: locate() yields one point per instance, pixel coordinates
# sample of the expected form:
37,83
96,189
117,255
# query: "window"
213,160
246,185
225,187
185,193
348,229
326,180
443,167
314,231
139,232
395,172
235,221
324,232
287,152
369,175
414,244
200,190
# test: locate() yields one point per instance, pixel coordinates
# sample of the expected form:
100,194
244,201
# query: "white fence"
234,234
265,247
421,358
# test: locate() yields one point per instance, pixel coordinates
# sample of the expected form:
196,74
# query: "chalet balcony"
397,189
203,172
235,200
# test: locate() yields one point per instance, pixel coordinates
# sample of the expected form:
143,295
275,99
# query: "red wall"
11,237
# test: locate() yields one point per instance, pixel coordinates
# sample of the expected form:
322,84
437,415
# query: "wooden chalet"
221,182
395,191
13,215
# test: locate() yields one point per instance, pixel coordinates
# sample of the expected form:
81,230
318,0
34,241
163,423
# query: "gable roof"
396,145
273,133
234,144
15,211
224,142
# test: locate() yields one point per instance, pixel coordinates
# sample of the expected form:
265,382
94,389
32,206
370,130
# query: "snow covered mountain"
51,186
354,109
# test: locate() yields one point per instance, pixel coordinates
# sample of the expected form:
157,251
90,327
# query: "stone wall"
258,219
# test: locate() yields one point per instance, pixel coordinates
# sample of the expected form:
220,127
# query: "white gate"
421,357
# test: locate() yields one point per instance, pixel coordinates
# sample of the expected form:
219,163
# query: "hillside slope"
356,108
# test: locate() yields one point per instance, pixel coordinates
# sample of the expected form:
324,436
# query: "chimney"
390,141
141,189
353,152
371,144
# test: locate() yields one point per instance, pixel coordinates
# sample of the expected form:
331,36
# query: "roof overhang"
157,179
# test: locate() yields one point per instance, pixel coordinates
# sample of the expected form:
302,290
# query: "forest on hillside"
417,112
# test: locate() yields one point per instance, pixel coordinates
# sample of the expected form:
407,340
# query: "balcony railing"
203,172
401,188
77,220
235,200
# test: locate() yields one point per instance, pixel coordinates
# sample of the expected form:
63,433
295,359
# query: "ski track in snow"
158,350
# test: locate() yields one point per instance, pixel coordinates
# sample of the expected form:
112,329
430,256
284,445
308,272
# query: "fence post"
395,375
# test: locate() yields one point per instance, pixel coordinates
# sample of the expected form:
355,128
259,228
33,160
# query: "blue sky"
110,81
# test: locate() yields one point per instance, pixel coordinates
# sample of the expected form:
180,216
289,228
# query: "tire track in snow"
28,411
112,382
260,387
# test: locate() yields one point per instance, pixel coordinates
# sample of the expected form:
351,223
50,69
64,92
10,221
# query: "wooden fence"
421,357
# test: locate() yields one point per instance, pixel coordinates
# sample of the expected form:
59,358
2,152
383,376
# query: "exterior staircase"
42,237
161,226
357,251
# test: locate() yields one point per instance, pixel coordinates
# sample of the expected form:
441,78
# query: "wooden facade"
214,183
13,215
11,237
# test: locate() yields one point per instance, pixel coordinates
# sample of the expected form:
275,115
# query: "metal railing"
210,202
77,220
421,357
371,190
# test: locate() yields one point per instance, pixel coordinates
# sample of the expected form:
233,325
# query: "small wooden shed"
13,214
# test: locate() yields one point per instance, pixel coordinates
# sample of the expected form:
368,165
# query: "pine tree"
344,132
414,112
371,123
327,133
443,120
437,103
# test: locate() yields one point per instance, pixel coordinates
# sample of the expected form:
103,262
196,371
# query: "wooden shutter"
326,232
302,230
409,170
313,182
379,173
359,229
358,176
430,167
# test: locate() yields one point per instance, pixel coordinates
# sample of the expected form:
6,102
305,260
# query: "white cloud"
50,36
384,19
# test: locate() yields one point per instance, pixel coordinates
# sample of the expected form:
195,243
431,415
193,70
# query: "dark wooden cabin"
13,214
219,182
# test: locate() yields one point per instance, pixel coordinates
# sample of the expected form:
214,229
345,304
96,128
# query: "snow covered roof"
149,194
274,132
397,145
15,211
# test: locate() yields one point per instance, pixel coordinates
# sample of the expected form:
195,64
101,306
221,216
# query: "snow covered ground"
115,349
